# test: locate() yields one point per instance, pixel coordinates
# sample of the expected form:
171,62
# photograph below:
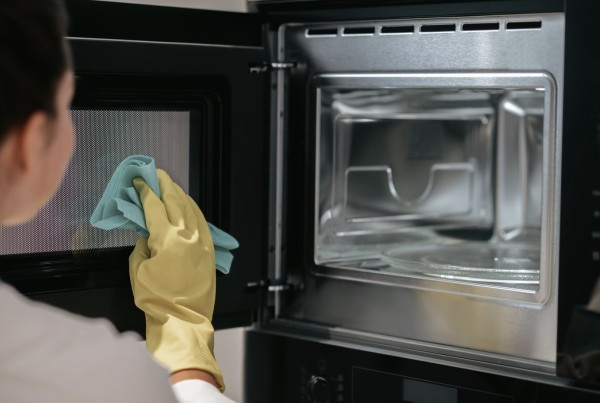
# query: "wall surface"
229,350
221,5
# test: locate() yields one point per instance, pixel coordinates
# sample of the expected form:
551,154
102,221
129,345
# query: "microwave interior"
441,183
431,169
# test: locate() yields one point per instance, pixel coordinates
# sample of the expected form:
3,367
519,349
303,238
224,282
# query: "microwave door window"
104,137
442,184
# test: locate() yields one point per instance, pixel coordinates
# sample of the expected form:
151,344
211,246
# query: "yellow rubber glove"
173,279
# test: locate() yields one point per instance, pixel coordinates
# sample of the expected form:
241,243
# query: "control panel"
322,382
285,369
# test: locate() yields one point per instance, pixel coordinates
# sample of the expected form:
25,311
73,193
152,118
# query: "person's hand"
173,279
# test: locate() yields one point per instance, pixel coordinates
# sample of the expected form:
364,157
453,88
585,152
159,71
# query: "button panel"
321,382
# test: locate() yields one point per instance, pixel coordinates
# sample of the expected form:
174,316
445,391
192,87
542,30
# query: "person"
49,355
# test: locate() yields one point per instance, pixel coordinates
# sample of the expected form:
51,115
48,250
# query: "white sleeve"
51,356
197,391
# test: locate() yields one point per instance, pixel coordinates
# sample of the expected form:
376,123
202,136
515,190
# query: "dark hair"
33,58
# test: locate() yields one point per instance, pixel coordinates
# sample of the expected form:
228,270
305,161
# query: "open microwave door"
175,85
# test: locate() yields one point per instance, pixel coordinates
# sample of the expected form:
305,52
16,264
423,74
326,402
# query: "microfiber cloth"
121,207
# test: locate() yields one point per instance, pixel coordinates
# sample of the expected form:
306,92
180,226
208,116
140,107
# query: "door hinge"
275,286
258,68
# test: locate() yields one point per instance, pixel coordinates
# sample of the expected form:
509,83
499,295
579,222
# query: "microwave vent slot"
397,29
480,26
357,31
523,25
435,28
401,28
321,32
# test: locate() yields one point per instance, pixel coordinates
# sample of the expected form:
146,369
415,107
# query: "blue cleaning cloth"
121,207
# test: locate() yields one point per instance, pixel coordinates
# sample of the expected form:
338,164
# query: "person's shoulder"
73,355
21,310
41,326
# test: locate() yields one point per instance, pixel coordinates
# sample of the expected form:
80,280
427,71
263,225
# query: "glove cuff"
179,345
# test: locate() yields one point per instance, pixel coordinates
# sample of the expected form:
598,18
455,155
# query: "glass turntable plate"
480,262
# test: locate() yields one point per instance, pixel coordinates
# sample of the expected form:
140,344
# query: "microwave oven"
411,184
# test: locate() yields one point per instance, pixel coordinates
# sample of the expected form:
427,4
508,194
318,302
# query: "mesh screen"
104,139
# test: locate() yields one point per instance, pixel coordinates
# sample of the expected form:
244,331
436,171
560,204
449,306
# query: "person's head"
36,86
